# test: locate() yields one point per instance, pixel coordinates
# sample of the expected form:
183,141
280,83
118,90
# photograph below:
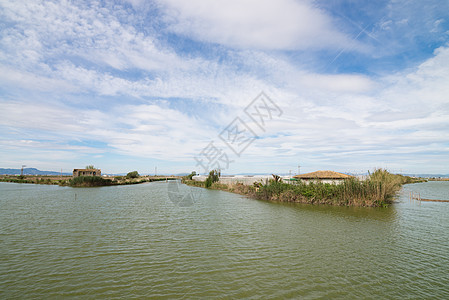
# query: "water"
438,190
133,242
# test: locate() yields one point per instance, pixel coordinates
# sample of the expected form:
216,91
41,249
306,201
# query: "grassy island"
378,190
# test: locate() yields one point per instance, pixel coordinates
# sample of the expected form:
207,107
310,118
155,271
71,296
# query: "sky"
247,86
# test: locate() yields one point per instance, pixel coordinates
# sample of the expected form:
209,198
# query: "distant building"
323,176
238,179
86,172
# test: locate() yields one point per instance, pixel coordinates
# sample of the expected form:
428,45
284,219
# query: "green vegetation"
88,181
213,177
377,191
438,179
82,181
211,180
190,176
90,167
133,174
44,179
194,183
15,180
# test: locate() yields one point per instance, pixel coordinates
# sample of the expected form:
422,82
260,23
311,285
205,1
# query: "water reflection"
387,214
133,241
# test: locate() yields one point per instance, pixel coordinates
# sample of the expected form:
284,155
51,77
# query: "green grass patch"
89,181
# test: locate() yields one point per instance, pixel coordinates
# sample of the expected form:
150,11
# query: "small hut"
324,176
86,172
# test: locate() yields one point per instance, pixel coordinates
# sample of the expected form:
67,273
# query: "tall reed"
378,190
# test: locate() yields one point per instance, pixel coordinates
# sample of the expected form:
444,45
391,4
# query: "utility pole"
21,170
155,171
299,168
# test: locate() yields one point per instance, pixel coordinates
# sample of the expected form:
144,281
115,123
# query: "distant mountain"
29,171
428,175
182,174
34,171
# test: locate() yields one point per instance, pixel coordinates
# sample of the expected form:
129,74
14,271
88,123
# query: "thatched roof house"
324,176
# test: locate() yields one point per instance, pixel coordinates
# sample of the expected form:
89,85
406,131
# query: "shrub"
88,181
133,174
214,176
194,183
190,176
378,190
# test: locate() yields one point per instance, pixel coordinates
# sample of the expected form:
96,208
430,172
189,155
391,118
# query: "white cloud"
28,80
105,71
422,90
384,123
45,30
264,24
342,116
48,45
36,116
340,83
137,130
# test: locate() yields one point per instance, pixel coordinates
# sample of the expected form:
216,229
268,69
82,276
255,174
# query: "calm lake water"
134,242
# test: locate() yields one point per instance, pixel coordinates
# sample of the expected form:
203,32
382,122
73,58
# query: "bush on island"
133,174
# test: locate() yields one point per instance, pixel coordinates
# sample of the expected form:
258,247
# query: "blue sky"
134,85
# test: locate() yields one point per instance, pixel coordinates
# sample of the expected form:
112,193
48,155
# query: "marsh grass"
15,180
81,181
30,179
378,190
89,181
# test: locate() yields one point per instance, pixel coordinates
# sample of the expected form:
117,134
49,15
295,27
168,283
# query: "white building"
235,179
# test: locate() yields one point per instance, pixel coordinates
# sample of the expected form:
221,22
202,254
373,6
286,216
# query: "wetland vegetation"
83,181
378,190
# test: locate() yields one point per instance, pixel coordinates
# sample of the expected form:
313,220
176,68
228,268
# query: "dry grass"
378,190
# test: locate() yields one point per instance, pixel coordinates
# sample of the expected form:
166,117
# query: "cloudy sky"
134,85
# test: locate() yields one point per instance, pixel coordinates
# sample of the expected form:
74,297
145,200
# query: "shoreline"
66,180
379,190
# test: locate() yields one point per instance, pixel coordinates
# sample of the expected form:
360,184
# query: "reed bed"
378,190
89,181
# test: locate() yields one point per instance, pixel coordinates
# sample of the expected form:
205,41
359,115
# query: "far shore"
67,180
